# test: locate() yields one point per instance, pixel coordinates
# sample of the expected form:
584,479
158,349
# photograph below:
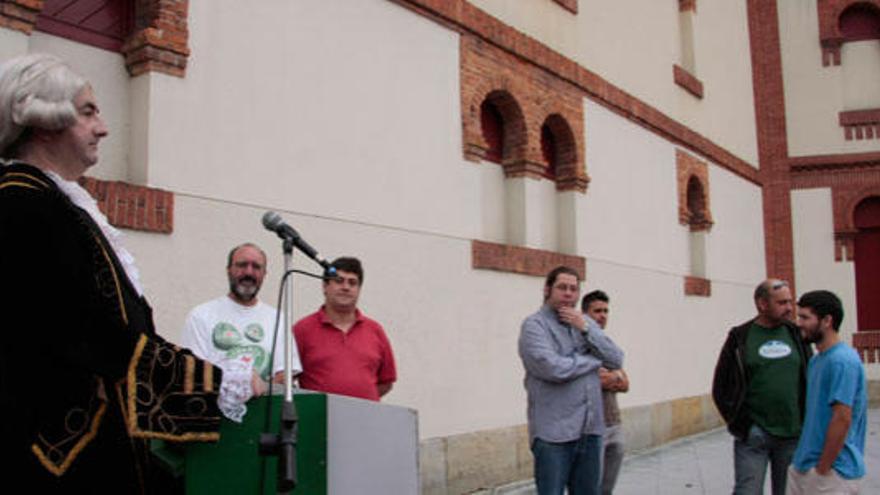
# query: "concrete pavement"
703,464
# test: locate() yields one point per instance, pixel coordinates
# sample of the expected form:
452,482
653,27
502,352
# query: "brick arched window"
492,126
548,152
842,21
502,126
558,149
860,21
696,204
866,219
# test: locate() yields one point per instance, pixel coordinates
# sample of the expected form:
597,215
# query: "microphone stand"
283,444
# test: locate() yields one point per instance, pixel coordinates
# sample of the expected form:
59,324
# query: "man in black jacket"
760,388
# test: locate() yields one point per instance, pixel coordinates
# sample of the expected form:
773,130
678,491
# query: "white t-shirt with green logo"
222,329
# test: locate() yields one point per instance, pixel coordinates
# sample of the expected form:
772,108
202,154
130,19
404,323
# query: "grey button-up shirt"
562,376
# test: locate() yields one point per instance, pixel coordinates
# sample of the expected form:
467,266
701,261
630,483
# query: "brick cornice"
843,161
860,124
867,344
522,260
133,207
461,16
20,15
697,286
687,81
569,5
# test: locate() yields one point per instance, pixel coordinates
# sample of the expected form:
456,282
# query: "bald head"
773,302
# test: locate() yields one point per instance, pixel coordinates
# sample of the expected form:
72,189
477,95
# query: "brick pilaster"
160,39
772,139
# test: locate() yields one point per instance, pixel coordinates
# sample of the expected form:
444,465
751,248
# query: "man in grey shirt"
562,351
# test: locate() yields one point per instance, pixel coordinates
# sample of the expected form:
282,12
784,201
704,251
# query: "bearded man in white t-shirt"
238,326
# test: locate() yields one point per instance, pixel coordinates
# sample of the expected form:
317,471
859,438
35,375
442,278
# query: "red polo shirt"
349,363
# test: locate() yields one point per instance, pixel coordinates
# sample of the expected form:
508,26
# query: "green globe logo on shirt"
228,338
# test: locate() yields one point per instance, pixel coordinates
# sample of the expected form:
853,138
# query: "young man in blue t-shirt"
830,454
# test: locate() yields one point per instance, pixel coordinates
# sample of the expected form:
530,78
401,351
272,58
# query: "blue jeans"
750,459
576,464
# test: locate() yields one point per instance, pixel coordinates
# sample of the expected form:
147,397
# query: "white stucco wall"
814,265
346,120
634,44
12,43
815,95
815,268
110,81
333,112
638,253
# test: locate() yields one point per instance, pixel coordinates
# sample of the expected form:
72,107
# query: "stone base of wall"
873,393
480,460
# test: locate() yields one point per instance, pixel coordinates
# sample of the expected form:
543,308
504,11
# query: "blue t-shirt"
834,376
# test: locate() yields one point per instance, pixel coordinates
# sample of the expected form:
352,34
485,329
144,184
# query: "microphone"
272,221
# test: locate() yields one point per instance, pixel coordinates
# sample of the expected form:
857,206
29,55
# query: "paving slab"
703,464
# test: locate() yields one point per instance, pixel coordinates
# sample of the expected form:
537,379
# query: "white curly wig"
36,91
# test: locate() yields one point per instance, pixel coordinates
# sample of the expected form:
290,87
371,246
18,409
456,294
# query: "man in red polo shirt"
342,351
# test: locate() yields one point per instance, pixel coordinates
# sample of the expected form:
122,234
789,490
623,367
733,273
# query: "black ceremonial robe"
84,379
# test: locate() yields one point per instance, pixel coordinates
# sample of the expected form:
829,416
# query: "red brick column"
20,15
772,139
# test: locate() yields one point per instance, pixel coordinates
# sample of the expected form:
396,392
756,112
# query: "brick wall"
830,37
158,43
772,139
851,178
687,81
697,286
860,124
20,15
133,207
526,261
689,167
461,16
160,39
569,5
527,97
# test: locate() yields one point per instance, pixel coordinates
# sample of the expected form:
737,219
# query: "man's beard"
244,292
811,336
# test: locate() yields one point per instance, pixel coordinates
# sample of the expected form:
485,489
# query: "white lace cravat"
235,388
80,197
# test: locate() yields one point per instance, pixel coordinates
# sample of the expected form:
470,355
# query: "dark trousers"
576,465
750,459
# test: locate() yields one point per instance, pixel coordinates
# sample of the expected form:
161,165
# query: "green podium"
345,446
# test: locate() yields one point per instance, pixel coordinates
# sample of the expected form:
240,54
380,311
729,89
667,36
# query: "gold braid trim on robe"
152,390
53,456
79,425
158,406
